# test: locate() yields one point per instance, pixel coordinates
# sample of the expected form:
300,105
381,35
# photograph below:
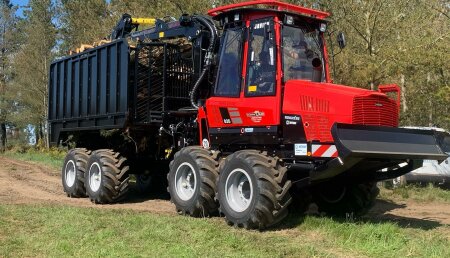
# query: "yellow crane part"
143,21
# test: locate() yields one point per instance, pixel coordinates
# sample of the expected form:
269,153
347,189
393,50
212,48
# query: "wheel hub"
238,190
95,177
70,173
185,181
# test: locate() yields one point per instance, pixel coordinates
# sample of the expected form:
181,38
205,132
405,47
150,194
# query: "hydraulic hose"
208,56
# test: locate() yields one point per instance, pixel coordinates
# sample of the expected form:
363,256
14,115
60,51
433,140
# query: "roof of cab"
277,5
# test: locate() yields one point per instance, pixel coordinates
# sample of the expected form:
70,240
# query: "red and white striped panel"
326,151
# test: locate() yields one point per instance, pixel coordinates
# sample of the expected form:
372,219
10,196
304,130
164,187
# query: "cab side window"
229,73
261,58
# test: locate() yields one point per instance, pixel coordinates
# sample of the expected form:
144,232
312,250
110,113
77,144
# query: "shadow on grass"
377,215
405,222
138,196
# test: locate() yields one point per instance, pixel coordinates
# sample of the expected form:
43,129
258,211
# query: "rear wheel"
253,191
73,171
192,181
107,177
340,200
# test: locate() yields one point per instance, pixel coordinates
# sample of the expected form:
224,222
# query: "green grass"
428,193
61,231
53,158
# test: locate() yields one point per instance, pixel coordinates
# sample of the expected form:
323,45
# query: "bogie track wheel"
73,171
107,177
253,191
342,200
192,181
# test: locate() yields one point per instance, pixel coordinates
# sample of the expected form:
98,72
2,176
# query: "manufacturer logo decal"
256,116
288,122
296,118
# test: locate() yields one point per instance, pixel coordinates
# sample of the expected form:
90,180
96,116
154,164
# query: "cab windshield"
302,54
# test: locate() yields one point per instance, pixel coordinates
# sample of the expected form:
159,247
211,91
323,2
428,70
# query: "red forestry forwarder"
237,109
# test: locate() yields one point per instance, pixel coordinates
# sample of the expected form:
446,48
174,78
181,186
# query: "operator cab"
260,50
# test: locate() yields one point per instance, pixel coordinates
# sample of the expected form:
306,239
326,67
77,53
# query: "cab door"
246,97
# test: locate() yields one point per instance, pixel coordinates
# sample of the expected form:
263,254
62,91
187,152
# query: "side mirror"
341,40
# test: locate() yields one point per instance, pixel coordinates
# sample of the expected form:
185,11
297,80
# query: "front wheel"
253,190
192,181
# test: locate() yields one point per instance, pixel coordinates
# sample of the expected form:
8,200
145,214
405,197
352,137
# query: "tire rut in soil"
35,178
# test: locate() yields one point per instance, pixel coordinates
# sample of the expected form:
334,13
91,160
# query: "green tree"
32,64
83,22
8,47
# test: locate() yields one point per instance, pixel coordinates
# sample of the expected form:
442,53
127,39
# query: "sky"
19,3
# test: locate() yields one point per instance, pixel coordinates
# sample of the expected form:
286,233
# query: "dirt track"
30,183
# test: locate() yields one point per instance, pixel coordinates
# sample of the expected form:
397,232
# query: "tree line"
406,42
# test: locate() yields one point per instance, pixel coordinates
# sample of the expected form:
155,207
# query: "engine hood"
320,105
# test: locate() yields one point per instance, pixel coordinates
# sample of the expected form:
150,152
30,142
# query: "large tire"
253,191
192,181
73,171
341,200
107,177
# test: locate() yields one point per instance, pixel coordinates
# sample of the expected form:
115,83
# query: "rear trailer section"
89,91
115,86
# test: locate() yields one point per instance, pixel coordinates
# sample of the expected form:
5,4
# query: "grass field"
428,193
53,158
61,231
49,230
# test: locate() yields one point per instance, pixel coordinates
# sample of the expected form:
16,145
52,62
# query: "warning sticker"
300,149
